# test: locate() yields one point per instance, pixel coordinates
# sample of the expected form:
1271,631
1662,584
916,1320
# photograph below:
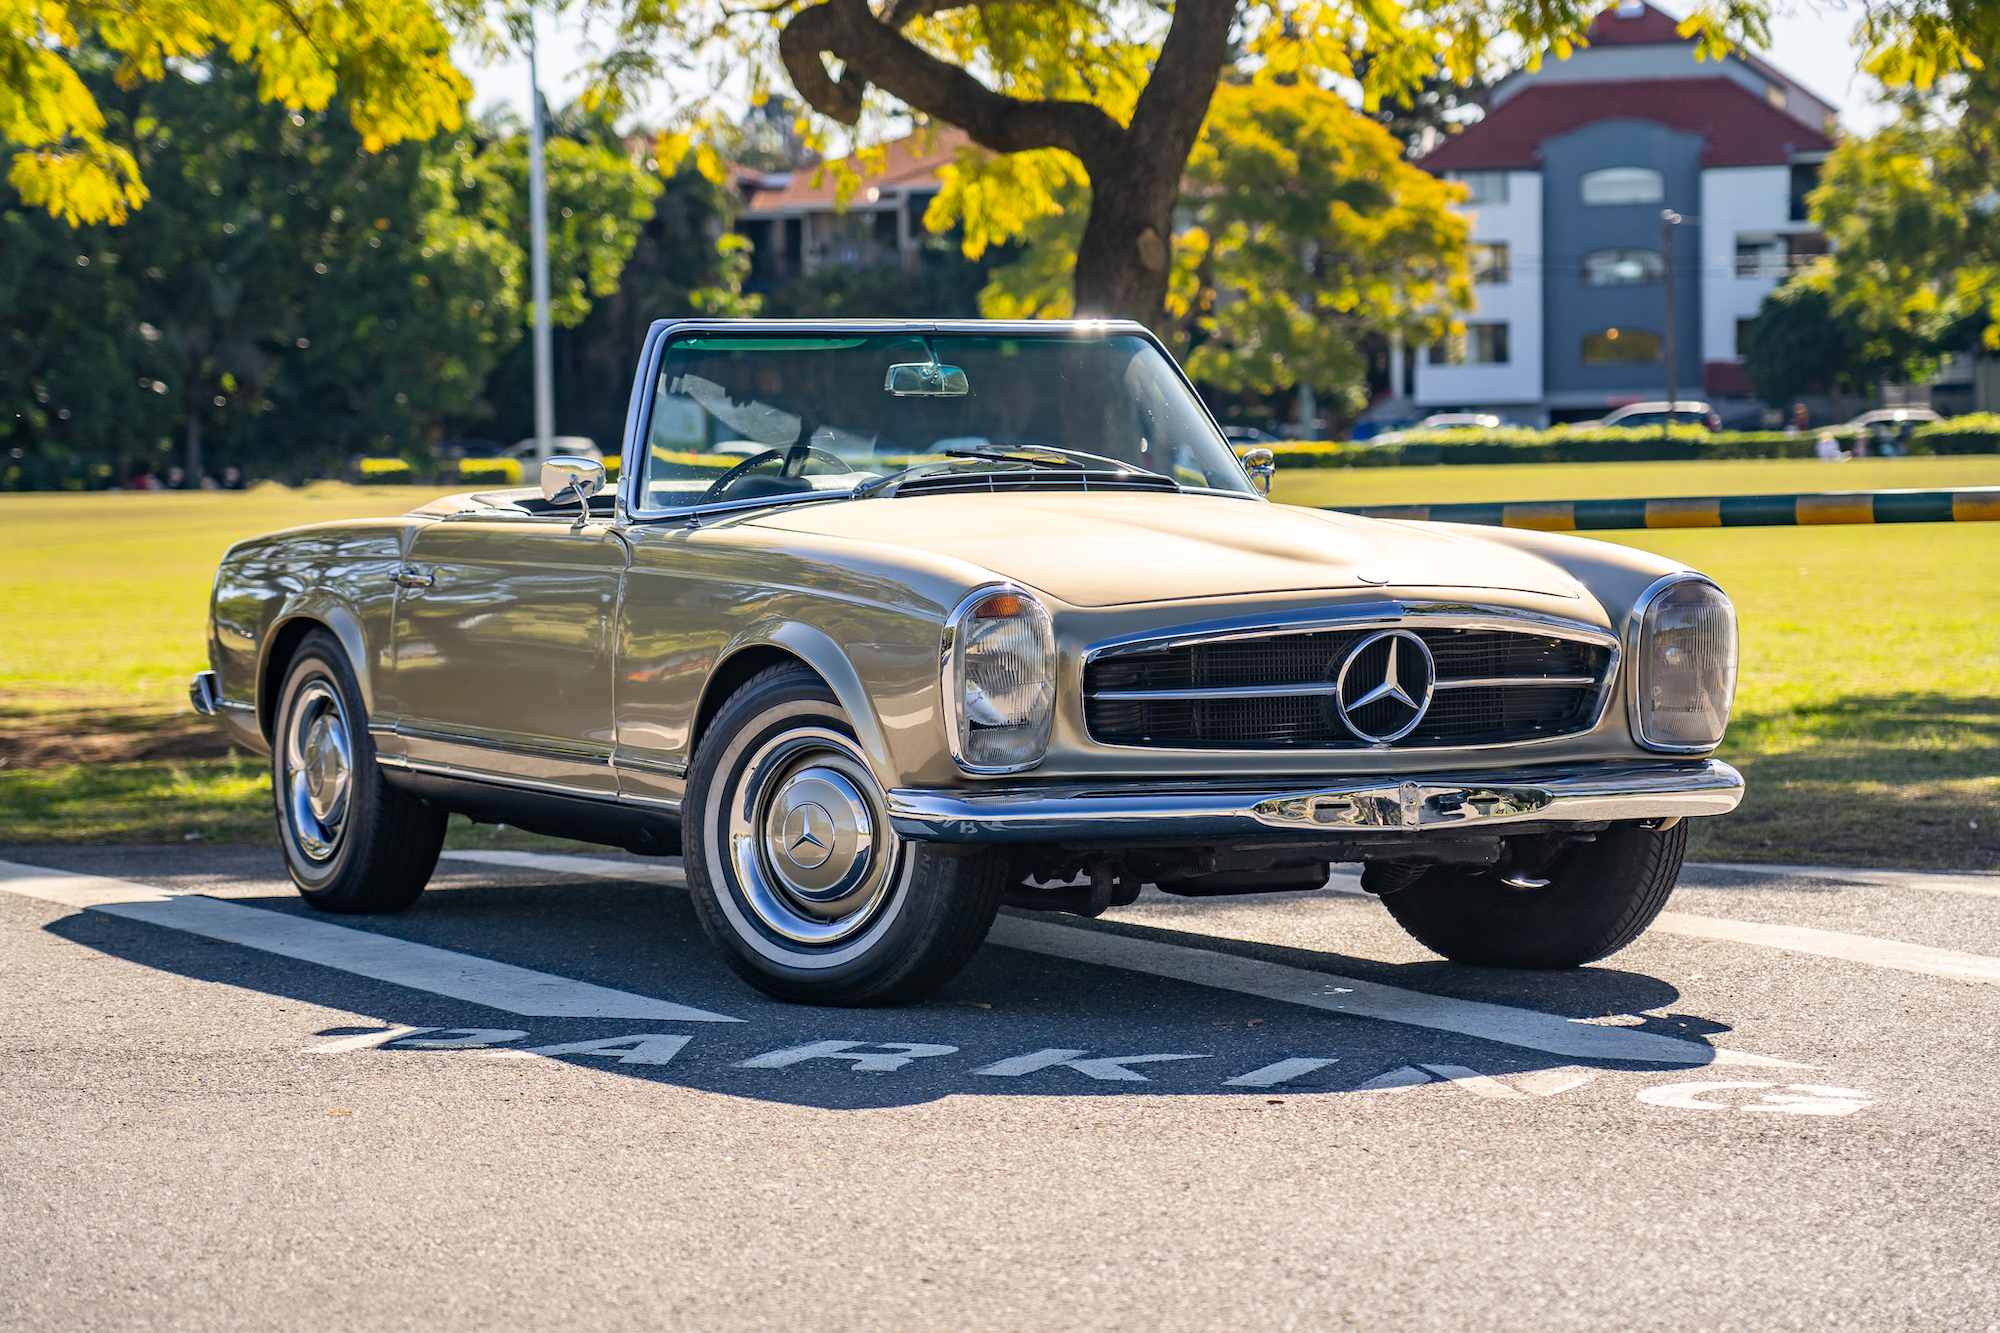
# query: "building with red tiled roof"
1571,170
793,221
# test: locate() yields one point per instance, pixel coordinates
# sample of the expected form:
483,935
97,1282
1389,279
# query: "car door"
504,649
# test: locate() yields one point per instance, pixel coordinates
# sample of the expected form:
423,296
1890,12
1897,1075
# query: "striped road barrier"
1974,504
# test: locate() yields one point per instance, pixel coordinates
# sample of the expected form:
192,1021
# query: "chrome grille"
1276,691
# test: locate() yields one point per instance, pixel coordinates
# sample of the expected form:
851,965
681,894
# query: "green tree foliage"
1913,211
1305,229
1802,341
74,158
1309,230
288,297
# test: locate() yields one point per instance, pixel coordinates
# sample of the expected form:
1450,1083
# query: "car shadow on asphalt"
1014,1022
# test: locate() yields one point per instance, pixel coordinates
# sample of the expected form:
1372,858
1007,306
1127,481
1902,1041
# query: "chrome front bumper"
1428,803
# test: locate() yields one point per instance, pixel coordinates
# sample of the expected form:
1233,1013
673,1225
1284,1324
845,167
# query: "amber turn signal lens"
1000,606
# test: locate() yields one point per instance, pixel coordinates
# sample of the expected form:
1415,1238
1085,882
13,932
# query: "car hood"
1112,549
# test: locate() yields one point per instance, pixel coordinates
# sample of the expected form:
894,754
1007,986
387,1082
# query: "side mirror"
925,379
572,481
1262,464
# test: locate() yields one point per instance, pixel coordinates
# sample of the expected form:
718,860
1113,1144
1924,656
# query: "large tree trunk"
1123,260
1135,170
193,478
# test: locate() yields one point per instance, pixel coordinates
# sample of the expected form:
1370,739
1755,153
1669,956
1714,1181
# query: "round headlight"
1000,681
1684,665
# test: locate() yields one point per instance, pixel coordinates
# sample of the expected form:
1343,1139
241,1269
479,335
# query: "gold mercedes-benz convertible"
975,613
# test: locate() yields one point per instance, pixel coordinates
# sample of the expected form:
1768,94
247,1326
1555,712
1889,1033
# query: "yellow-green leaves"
389,58
1310,230
999,196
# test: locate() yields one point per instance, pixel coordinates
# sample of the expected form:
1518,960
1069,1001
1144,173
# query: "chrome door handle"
409,577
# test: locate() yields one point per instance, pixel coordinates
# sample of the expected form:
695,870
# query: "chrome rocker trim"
1430,803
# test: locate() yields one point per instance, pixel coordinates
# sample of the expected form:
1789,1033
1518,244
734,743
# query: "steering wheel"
795,456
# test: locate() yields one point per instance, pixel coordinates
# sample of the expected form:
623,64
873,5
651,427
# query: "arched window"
1622,268
1620,347
1623,185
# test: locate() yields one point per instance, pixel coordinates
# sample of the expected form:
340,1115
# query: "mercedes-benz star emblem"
1384,686
807,831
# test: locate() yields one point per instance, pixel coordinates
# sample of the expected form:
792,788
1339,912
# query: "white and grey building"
1570,171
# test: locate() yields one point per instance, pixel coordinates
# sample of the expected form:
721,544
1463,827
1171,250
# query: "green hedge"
1972,433
1518,444
490,471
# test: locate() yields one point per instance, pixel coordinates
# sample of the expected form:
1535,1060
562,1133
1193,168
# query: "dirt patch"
92,736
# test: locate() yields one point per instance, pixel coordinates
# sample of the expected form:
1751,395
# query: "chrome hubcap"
319,766
811,849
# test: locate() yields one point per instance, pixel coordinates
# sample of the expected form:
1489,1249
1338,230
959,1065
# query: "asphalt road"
538,1101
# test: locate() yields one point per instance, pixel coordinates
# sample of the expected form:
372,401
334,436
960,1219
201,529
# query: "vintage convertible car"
985,613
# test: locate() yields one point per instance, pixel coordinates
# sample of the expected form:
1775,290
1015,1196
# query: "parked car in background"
1685,412
1249,437
869,702
1458,421
560,446
1886,430
1436,421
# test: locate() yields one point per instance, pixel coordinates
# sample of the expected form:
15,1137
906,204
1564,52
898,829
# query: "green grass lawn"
1867,719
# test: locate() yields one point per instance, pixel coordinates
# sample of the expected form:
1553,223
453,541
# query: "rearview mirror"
925,379
572,481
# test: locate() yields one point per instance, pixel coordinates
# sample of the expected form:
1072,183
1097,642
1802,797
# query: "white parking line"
516,990
556,863
1363,999
1985,886
1866,949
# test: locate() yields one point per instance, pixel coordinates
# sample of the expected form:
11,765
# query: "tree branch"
874,53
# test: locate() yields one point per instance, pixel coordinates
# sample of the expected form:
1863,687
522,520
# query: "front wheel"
794,869
1598,897
352,843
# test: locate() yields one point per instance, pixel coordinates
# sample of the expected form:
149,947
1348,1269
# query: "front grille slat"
1511,686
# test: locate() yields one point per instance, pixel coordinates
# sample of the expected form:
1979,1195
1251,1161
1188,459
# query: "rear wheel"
1598,897
352,843
794,869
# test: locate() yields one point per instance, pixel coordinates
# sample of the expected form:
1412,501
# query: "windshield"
730,412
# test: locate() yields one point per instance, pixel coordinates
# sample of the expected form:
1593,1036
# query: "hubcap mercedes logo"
1384,686
808,835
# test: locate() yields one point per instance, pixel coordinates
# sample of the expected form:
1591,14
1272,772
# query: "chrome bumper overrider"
1429,803
205,693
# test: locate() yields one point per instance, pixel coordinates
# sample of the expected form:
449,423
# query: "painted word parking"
1147,1007
652,1049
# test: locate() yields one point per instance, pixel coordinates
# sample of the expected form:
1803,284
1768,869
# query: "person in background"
1828,449
1801,419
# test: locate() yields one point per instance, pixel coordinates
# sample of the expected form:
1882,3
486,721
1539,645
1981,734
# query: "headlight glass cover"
1000,680
1685,667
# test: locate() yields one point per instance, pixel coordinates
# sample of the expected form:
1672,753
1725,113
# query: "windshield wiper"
1036,457
1039,453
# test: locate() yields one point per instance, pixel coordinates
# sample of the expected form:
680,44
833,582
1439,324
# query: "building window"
1488,187
1805,179
1479,345
1624,185
1622,268
1488,260
1742,334
1620,347
1760,256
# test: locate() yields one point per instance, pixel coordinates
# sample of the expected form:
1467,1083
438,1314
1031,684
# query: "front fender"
818,650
